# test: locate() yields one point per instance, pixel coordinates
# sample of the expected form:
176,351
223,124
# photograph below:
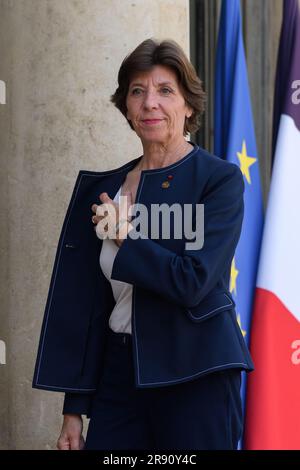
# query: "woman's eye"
166,91
136,91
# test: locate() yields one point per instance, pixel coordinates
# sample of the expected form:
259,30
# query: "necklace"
182,155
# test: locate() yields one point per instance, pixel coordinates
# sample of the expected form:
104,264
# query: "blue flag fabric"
235,141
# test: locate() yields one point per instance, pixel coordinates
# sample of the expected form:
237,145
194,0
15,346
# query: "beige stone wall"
59,60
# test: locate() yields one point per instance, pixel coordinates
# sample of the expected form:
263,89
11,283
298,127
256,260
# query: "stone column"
59,61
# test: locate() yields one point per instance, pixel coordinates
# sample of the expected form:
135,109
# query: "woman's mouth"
151,122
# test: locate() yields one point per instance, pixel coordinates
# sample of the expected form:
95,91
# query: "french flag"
273,393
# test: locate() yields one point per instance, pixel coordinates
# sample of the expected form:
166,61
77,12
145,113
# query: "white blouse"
120,318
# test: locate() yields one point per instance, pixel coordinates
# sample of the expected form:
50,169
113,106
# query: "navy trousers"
205,413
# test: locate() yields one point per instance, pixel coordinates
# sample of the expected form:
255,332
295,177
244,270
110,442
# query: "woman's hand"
110,215
71,433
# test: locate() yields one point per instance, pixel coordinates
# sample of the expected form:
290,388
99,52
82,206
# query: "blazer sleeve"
187,279
77,403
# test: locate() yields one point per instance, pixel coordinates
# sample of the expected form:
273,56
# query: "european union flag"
235,141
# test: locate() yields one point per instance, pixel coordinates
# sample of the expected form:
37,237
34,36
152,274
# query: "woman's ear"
189,111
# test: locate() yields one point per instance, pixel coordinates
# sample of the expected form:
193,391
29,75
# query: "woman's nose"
151,100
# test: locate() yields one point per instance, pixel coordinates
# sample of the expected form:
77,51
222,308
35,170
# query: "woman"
147,344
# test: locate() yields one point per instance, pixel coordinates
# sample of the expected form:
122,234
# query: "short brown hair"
168,53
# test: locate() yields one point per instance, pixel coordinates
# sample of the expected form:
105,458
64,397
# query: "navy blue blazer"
183,318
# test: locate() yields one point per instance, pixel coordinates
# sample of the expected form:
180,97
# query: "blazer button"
68,245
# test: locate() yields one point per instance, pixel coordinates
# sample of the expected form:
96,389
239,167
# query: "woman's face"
156,106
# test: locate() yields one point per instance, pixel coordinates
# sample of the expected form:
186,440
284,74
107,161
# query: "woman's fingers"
108,209
107,214
71,433
63,443
94,208
75,442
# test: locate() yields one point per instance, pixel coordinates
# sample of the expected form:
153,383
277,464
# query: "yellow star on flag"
233,275
244,332
245,162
